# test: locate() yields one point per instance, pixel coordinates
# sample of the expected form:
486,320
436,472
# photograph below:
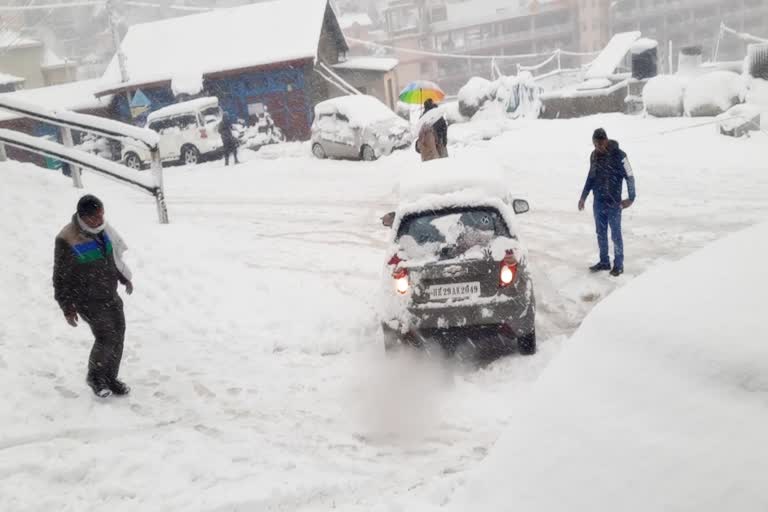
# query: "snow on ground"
658,402
259,383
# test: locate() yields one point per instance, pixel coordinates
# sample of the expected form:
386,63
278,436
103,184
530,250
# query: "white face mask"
85,227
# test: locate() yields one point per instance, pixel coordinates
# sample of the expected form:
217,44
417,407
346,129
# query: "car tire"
526,343
319,151
132,161
367,154
190,155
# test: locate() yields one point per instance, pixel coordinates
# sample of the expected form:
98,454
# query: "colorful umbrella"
416,93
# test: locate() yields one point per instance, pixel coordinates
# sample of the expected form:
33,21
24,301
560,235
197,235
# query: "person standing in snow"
228,139
87,268
440,127
609,167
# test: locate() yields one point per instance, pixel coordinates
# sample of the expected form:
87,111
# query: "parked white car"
188,132
358,127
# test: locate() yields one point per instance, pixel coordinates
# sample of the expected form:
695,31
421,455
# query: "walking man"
87,267
609,167
228,139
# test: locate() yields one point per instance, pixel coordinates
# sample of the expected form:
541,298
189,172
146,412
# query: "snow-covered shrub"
663,95
507,97
473,95
713,93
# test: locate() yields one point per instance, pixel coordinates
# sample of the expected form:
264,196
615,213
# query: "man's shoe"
119,388
616,272
600,267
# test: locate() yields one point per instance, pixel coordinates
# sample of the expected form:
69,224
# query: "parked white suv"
188,131
359,127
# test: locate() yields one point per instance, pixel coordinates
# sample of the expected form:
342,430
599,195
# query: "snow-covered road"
258,380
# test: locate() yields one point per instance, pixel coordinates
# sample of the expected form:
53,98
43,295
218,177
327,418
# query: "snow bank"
657,403
663,95
713,93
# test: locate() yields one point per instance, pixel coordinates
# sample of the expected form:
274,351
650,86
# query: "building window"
438,14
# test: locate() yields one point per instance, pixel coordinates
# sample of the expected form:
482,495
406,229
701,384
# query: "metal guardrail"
68,121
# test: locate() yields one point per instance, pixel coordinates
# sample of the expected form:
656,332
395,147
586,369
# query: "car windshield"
452,232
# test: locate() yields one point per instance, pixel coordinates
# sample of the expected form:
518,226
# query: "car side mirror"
520,206
388,220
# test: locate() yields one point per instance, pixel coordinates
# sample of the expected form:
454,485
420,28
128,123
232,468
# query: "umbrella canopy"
416,93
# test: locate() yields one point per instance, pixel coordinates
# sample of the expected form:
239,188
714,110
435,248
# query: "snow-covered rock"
713,93
663,95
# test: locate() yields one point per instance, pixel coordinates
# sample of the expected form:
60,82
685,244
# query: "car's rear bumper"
514,315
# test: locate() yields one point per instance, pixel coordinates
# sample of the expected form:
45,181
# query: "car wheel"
526,343
367,154
190,155
132,161
319,151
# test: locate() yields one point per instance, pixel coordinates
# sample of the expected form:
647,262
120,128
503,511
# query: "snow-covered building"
275,54
10,83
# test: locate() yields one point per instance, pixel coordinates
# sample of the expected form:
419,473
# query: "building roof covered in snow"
71,96
244,37
10,39
53,61
380,64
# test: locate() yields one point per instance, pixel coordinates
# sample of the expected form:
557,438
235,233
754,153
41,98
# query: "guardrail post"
3,154
157,171
66,137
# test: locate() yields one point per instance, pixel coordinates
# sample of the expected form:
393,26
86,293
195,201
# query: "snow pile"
740,120
713,93
657,403
189,83
663,95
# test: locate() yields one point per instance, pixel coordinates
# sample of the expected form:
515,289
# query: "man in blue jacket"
608,169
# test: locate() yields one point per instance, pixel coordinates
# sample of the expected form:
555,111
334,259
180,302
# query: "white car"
188,131
357,127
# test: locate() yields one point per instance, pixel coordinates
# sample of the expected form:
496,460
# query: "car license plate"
454,291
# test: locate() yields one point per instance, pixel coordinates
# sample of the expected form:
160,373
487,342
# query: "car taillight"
401,280
508,270
203,133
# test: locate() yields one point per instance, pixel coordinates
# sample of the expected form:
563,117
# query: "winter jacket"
607,173
86,269
426,144
227,138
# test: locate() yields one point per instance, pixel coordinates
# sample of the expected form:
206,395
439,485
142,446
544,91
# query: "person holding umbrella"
432,141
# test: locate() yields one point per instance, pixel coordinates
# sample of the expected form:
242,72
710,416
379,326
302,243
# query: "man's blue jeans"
605,217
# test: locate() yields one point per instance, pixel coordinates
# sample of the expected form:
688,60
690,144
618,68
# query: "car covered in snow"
357,127
456,271
188,133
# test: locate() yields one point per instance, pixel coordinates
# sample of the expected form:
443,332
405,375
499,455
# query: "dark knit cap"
89,205
599,134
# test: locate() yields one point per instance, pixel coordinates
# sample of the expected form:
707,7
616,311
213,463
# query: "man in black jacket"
87,268
608,168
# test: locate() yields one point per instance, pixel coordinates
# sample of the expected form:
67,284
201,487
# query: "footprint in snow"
66,393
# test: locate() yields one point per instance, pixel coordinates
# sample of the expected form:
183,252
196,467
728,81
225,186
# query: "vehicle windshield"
451,233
